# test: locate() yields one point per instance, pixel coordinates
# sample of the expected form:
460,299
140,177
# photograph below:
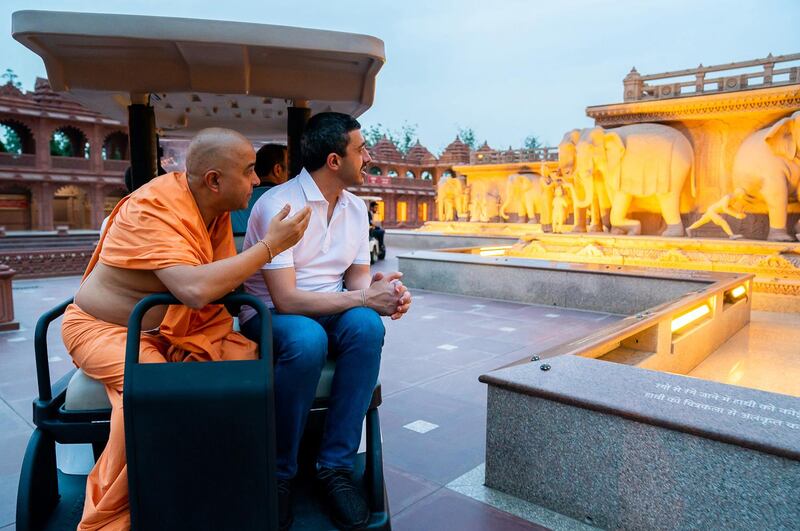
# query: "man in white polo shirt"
313,317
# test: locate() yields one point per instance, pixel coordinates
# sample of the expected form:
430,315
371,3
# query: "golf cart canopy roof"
202,73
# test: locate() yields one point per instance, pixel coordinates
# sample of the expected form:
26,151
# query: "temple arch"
115,146
69,141
71,207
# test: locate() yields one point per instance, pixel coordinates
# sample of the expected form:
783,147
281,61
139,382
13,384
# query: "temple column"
96,150
96,202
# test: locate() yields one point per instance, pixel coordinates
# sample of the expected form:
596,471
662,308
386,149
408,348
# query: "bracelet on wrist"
269,249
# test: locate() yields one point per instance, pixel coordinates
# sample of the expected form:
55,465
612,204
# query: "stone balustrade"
70,163
772,71
26,160
514,155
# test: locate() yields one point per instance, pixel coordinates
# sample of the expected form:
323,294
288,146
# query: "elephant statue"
528,194
539,200
600,204
479,203
639,160
767,166
514,201
449,198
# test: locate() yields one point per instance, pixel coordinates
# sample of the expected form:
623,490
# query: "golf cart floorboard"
310,510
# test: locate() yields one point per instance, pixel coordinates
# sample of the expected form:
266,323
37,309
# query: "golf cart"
182,75
376,250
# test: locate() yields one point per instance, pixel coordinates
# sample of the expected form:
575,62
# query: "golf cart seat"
86,394
166,405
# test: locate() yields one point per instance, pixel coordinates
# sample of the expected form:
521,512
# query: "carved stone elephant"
514,202
767,166
449,198
639,160
600,204
479,201
539,201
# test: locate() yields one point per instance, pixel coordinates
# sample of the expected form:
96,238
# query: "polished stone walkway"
433,415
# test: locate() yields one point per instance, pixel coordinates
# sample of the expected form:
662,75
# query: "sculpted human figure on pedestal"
640,160
767,166
559,209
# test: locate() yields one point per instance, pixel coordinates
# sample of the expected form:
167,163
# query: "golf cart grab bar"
166,299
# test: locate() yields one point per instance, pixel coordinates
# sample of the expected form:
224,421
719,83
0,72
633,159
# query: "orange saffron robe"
157,226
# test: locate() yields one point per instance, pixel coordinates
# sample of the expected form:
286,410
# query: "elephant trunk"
583,193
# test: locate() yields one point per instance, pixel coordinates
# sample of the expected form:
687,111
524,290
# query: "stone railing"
516,155
27,160
381,180
70,163
730,78
116,166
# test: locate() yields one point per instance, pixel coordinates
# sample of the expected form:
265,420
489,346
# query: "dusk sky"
507,68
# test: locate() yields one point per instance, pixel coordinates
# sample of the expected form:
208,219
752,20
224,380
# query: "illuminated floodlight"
499,250
738,292
690,317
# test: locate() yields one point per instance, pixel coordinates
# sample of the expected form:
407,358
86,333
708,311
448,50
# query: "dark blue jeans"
301,345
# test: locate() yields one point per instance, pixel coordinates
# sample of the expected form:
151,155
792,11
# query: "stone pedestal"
7,300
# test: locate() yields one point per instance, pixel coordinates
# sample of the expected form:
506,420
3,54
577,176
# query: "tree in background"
532,142
60,145
404,139
11,78
467,135
9,140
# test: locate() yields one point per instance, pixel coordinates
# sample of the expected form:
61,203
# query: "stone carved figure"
529,196
560,205
449,199
731,204
767,166
479,202
539,201
600,205
639,160
514,203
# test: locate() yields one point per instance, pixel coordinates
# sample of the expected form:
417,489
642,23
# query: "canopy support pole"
143,144
299,113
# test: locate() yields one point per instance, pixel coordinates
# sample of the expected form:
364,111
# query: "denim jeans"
301,345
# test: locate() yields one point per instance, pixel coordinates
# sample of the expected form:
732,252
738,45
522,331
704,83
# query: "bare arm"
198,285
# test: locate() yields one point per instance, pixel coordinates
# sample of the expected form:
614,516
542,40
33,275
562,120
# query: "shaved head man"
172,234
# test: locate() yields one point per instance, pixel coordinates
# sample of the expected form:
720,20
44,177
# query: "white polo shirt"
324,252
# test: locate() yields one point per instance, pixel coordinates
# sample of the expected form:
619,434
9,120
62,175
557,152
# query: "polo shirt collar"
312,191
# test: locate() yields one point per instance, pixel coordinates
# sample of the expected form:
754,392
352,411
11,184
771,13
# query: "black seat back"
200,437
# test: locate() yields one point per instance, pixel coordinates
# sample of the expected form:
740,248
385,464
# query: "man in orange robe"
173,234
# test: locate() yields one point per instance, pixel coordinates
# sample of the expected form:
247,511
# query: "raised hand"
285,231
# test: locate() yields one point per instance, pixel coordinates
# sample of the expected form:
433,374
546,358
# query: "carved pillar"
7,300
96,149
42,144
96,203
46,206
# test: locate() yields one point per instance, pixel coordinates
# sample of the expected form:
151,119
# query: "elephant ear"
614,150
779,139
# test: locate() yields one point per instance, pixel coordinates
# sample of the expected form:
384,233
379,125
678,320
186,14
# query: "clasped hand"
388,296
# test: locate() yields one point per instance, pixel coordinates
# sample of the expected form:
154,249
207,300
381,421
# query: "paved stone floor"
433,415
